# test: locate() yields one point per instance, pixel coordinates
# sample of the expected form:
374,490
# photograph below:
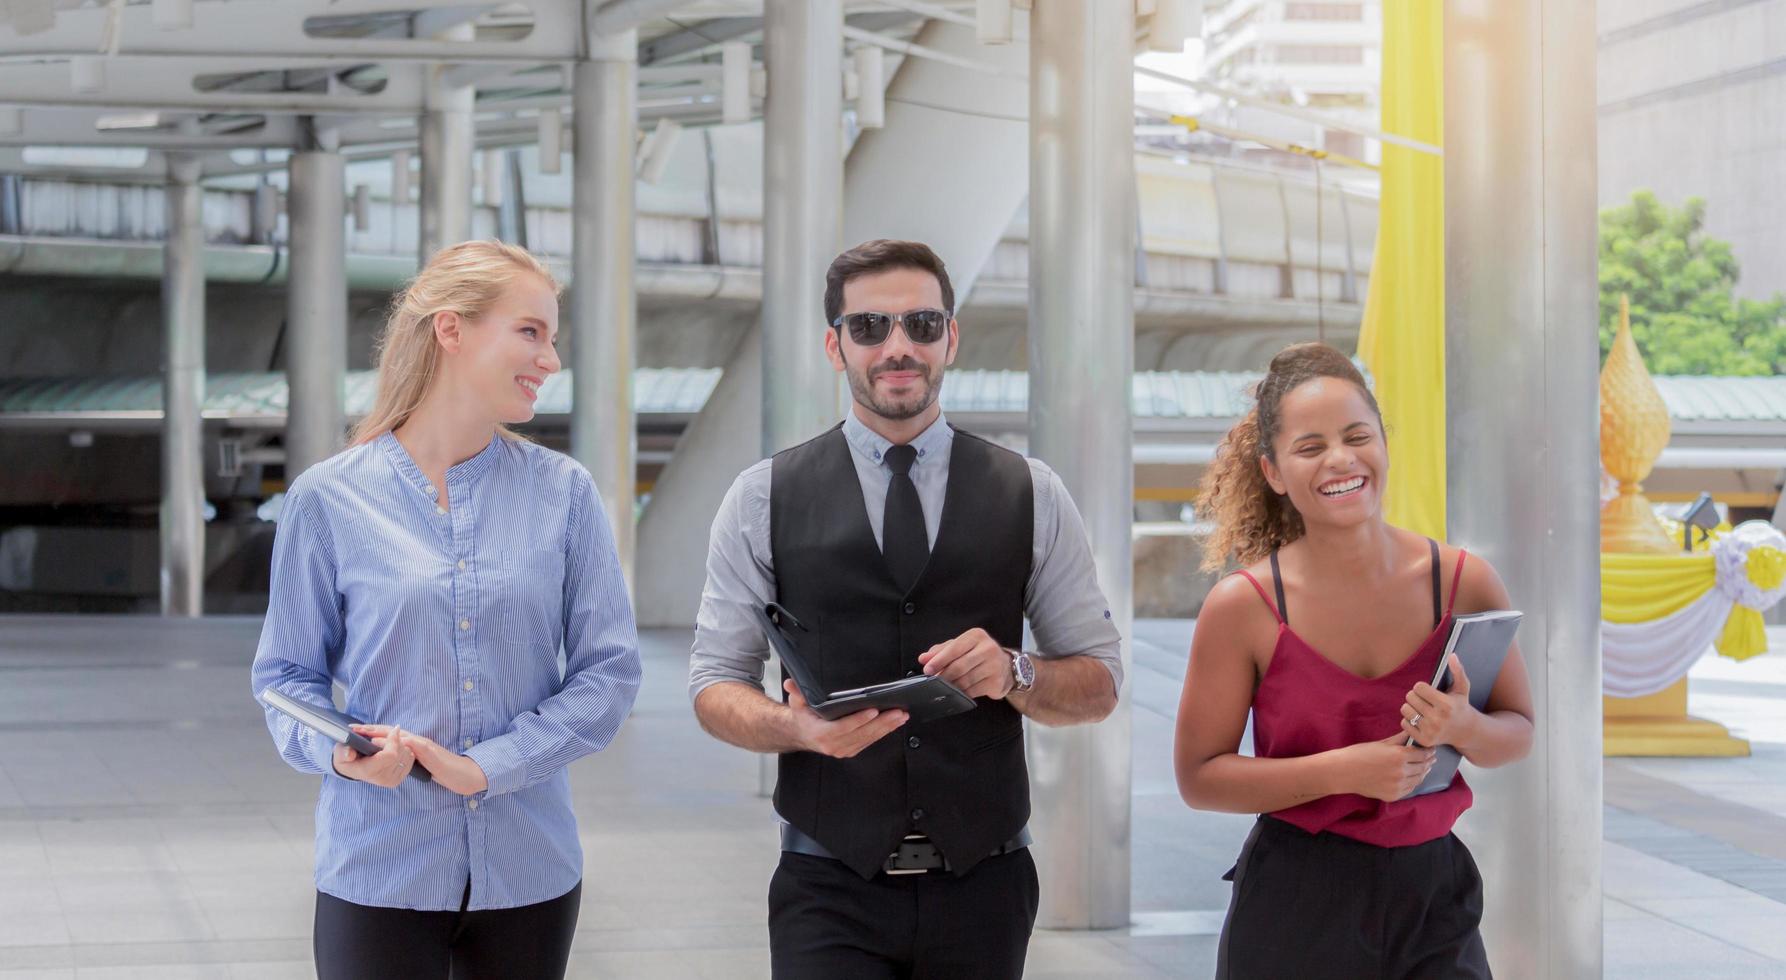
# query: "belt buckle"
914,848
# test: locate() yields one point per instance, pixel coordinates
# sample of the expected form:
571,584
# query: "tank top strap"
1277,582
1456,578
1261,590
1438,587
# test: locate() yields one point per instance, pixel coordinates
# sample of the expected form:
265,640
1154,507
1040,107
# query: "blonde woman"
434,570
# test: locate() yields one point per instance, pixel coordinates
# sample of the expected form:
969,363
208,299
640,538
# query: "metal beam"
133,82
183,396
1520,244
604,309
622,16
1081,356
69,126
275,32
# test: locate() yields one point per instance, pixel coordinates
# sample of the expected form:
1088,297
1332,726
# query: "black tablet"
925,698
330,724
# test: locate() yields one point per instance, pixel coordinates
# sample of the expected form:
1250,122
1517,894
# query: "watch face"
1025,669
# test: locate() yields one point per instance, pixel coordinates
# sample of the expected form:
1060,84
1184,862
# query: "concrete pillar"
802,208
1522,357
603,306
183,394
446,134
316,310
1081,357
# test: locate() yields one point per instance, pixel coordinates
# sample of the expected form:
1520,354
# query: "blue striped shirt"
450,622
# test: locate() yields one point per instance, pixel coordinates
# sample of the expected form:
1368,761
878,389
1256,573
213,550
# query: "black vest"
960,780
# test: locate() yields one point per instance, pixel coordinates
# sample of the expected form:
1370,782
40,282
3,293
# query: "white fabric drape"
1643,658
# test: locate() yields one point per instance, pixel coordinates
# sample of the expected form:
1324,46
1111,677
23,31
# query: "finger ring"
1414,721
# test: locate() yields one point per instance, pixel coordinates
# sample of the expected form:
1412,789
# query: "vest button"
918,814
910,608
913,742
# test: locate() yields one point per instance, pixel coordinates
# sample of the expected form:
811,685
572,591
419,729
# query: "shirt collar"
458,473
872,445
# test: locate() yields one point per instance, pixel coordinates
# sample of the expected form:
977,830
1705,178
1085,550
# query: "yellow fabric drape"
1640,588
1637,588
1744,635
1402,340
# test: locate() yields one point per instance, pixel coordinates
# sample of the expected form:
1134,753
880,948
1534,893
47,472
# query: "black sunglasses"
871,329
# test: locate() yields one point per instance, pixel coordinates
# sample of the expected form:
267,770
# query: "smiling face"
499,360
896,379
1329,454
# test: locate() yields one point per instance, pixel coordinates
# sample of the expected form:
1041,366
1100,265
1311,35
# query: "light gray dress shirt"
1066,609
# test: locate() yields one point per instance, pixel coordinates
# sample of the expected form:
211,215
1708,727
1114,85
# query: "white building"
1321,54
1690,98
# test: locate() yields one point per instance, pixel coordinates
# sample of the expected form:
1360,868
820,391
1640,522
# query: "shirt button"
465,624
918,814
461,564
910,608
439,510
913,742
469,685
471,804
468,742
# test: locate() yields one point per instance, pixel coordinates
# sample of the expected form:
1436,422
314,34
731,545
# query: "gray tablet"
1481,641
330,724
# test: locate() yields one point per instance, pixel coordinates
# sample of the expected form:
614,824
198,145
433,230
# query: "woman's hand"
388,767
1434,717
455,772
1387,770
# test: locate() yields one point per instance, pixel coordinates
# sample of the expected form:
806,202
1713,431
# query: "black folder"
924,697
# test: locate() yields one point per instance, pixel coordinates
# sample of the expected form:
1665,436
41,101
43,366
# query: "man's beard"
909,406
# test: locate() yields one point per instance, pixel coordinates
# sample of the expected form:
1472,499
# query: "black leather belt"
915,854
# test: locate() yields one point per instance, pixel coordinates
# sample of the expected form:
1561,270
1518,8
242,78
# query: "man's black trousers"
825,922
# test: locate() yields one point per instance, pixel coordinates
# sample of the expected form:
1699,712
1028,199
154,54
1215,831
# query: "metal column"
1081,357
802,211
1521,354
183,393
603,305
802,225
446,134
316,310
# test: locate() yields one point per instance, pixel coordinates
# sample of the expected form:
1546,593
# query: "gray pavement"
147,830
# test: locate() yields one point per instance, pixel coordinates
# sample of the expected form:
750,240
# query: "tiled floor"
147,830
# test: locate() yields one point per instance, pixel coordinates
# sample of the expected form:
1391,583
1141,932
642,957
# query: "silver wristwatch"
1022,668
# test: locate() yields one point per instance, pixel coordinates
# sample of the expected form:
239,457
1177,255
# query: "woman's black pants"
1322,905
361,942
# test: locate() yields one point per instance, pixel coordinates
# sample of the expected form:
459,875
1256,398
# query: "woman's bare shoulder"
1480,588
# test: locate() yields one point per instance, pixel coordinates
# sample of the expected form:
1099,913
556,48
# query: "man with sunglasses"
902,545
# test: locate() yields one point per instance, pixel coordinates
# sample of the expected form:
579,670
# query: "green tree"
1684,315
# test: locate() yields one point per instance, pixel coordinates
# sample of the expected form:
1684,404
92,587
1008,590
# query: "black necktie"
904,542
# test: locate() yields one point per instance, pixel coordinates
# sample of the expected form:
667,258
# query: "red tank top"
1307,704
